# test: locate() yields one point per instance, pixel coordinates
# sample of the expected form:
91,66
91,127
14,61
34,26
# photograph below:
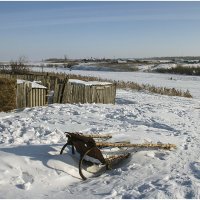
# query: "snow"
34,84
164,66
31,139
122,61
90,67
145,67
76,81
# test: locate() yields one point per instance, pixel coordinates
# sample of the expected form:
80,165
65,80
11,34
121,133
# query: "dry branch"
154,146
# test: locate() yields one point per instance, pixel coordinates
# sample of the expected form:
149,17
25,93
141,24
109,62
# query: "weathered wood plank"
56,89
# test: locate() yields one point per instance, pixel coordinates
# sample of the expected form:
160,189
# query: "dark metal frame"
86,145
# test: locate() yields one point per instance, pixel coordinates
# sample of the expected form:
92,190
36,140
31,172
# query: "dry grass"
7,94
153,89
180,69
138,87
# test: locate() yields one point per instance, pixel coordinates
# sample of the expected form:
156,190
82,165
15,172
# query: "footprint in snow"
161,156
26,181
190,194
195,167
186,186
112,194
185,147
127,196
188,139
144,188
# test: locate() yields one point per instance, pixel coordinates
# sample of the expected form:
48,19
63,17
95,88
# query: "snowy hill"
31,139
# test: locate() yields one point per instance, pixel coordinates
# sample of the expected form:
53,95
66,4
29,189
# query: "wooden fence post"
29,94
56,88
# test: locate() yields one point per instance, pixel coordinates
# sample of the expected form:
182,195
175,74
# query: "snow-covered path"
31,166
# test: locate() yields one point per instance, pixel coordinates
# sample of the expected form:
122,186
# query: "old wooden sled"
86,145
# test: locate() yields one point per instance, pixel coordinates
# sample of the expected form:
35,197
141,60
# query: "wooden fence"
64,91
27,96
89,92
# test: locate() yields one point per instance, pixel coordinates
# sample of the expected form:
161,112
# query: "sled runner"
92,150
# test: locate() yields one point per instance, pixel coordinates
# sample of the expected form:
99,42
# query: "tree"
20,66
65,64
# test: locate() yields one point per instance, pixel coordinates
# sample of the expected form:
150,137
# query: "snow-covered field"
31,139
191,83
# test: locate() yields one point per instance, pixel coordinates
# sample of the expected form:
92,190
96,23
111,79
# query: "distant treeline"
181,70
177,58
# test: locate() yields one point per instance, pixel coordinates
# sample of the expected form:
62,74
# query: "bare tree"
20,66
65,61
65,58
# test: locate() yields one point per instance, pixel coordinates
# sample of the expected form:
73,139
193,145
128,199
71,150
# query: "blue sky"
41,30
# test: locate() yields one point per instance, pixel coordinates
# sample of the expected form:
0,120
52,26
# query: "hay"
7,94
